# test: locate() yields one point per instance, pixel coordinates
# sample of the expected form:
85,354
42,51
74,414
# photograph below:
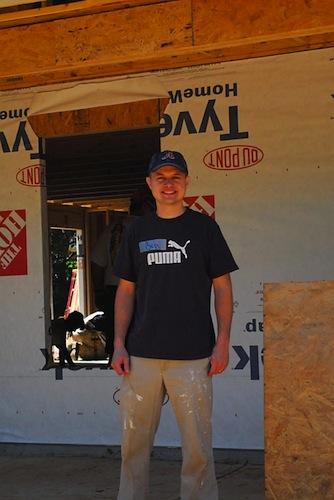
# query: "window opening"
64,265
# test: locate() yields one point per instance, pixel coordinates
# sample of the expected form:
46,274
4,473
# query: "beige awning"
96,94
121,104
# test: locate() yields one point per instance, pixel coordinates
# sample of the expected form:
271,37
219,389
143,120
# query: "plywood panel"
221,21
63,11
100,37
122,38
174,58
299,390
107,118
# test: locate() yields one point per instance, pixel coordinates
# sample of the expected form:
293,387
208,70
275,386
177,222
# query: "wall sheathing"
257,135
299,396
105,38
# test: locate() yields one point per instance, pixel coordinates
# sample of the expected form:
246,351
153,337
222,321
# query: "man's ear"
188,180
148,182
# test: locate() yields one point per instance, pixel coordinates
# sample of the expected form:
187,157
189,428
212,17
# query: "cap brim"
169,164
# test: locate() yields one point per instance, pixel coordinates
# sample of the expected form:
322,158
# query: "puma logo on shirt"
157,252
173,244
164,258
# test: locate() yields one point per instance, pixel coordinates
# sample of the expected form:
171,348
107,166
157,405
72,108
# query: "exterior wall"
21,281
276,214
269,186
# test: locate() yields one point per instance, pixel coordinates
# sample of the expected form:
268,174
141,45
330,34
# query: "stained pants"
190,392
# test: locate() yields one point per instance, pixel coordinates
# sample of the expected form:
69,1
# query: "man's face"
168,185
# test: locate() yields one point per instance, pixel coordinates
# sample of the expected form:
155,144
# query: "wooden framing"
139,114
94,38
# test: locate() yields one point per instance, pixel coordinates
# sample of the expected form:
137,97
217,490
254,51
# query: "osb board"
62,11
299,390
122,38
131,115
104,36
217,21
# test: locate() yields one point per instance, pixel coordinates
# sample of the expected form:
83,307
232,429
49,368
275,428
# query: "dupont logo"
233,157
33,176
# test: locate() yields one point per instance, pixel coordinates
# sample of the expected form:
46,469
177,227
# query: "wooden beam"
176,58
126,116
141,36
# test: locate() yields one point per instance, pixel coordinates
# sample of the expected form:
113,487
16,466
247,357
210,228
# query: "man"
164,336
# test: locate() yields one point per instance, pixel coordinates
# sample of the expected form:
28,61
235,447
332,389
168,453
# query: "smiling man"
164,336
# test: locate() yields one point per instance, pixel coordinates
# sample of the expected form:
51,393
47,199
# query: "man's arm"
224,308
124,304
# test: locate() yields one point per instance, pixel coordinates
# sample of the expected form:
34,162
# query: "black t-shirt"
173,263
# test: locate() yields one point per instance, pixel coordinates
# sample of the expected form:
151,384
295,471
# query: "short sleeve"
221,260
125,267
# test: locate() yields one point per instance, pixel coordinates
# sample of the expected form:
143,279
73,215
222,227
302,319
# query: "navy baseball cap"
170,158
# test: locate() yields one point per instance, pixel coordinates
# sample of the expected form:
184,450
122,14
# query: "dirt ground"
88,478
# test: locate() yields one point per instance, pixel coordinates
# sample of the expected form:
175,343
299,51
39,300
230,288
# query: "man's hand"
219,360
121,362
124,304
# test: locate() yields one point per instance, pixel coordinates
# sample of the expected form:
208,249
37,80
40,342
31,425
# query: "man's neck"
170,211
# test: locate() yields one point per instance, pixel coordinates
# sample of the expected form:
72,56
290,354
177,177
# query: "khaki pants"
190,392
